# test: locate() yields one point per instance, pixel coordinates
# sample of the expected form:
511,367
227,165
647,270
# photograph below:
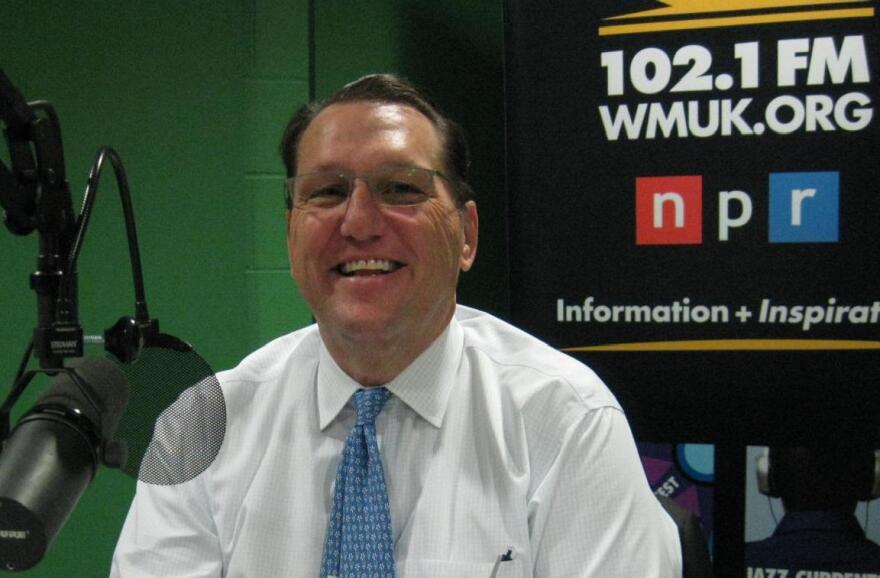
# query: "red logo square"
669,210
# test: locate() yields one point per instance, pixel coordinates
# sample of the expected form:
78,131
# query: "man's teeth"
383,265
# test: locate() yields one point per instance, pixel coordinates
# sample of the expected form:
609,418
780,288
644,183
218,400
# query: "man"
819,488
499,455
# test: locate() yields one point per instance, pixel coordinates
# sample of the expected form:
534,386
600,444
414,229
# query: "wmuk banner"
699,177
695,211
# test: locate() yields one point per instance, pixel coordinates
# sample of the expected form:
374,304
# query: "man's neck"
373,362
370,365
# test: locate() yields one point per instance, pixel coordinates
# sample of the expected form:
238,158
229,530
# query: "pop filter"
176,417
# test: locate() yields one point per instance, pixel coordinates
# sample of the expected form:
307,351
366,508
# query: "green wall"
194,96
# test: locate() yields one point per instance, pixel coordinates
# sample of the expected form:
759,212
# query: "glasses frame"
369,181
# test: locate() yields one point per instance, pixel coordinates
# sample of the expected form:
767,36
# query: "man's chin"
379,324
362,324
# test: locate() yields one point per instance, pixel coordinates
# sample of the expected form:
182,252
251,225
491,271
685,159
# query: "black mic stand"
35,195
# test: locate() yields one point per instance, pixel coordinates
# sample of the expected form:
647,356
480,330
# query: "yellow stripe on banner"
735,21
735,345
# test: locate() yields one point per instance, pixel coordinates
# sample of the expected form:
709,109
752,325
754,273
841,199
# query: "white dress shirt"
491,440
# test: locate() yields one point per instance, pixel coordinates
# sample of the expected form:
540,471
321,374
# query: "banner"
694,213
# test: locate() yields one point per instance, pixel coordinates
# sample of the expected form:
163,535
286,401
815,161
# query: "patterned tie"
358,542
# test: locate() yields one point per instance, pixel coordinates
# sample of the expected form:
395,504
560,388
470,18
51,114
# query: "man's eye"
402,193
331,194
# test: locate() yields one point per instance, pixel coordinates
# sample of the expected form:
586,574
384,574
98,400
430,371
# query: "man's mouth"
368,267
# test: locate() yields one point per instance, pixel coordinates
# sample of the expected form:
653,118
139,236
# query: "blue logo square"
804,207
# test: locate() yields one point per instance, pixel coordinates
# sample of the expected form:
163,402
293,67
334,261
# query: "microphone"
52,455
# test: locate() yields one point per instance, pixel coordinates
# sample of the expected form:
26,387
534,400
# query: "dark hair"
821,478
388,88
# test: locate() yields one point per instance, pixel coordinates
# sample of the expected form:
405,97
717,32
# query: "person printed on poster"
819,535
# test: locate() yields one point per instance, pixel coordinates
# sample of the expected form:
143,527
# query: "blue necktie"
358,542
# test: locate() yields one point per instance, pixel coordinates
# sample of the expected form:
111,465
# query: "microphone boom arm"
35,195
18,187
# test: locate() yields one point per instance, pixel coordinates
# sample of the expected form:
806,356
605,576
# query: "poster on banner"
684,474
694,208
812,512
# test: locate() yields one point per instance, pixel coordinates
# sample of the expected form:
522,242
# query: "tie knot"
369,402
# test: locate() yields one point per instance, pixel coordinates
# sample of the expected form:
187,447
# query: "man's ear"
289,216
471,227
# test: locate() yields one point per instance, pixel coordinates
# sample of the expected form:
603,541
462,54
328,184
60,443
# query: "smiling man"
380,279
403,434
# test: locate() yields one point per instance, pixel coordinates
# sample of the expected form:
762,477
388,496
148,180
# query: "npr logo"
803,208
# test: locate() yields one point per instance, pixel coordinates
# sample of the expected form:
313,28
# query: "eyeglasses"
390,187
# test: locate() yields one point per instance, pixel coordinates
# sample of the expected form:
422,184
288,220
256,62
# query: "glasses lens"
391,187
321,190
402,187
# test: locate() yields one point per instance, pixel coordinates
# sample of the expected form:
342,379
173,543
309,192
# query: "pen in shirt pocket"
506,557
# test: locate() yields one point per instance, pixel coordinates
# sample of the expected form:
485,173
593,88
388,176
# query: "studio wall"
194,96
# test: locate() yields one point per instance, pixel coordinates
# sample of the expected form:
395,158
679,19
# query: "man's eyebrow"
394,164
322,168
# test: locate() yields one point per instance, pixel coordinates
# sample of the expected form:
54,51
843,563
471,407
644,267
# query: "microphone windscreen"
101,394
176,419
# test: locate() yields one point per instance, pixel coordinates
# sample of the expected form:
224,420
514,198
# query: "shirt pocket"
446,569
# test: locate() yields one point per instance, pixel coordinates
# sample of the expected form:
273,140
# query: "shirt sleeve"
169,531
594,515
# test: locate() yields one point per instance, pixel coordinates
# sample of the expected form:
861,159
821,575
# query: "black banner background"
573,226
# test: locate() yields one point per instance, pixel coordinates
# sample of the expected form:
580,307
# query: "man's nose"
363,218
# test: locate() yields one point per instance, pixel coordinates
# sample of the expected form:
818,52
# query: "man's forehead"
369,115
348,124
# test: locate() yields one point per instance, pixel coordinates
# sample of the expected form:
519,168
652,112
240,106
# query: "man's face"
421,248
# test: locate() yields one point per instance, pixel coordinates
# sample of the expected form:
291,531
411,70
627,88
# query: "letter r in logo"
804,207
669,210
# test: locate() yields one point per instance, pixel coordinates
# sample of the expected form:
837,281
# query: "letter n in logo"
669,210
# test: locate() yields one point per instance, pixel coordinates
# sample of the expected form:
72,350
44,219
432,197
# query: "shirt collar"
334,387
424,386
